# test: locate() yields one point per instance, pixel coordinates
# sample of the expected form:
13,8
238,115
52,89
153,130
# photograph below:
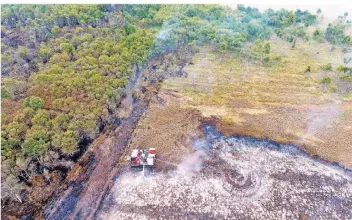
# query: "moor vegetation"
65,68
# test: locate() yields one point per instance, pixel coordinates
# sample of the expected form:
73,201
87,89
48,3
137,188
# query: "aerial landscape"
131,111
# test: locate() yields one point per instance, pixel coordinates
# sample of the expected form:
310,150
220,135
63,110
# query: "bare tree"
11,188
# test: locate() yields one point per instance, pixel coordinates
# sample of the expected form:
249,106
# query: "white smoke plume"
318,120
192,163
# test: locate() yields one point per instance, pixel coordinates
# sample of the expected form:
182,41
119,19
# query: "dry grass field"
167,127
279,100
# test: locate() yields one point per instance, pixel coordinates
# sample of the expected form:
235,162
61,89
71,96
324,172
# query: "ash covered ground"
235,178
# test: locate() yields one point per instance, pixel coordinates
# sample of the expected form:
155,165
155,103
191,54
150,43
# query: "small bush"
344,69
278,58
347,77
266,59
333,89
339,68
308,70
318,36
326,67
326,80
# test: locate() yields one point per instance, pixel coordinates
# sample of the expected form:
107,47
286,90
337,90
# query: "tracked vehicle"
142,158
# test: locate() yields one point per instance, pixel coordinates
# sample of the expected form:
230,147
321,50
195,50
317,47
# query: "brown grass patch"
279,101
168,127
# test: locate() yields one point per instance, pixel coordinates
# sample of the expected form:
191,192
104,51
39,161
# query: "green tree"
5,94
67,47
294,43
34,147
69,141
15,130
129,29
45,52
42,118
61,122
289,19
254,30
335,34
9,147
6,57
66,141
34,103
23,52
267,48
55,30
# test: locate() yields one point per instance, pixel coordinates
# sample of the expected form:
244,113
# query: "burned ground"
240,178
204,174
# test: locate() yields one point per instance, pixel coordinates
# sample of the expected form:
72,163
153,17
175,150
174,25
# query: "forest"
65,68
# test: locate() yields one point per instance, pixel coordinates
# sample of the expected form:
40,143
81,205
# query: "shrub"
266,59
326,67
344,69
347,77
340,68
55,30
5,94
278,58
318,35
308,70
333,89
326,80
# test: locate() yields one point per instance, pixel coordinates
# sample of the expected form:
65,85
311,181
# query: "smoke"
194,162
163,33
318,119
